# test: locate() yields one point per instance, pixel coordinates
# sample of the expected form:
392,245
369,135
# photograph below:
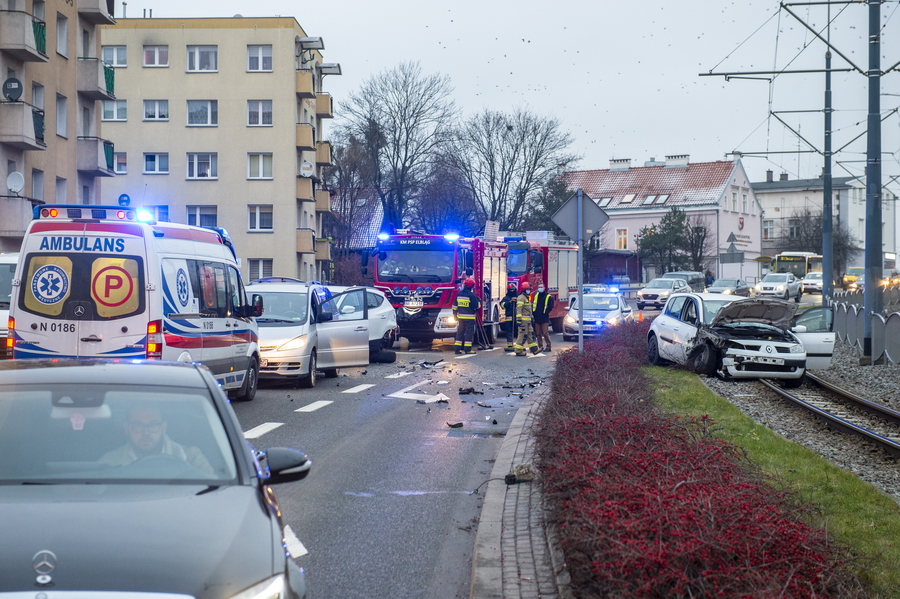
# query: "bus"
799,263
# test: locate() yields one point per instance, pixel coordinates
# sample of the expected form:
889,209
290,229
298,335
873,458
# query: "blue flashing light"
512,239
144,216
452,236
613,289
383,236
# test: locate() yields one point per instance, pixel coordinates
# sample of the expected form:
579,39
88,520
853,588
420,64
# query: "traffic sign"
593,217
124,200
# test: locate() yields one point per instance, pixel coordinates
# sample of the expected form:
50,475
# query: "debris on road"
469,391
455,425
483,405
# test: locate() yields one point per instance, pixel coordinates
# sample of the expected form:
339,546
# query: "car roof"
9,257
342,288
106,372
706,296
282,287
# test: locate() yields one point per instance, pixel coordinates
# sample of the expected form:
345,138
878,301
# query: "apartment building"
219,122
54,84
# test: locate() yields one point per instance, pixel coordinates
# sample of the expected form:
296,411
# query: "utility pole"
827,217
872,300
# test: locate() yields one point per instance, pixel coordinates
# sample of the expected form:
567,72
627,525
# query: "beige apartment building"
219,122
54,83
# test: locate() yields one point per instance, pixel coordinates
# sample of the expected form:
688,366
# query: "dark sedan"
129,479
730,287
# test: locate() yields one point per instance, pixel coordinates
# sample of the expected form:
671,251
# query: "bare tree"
401,117
805,235
348,180
699,242
445,204
507,158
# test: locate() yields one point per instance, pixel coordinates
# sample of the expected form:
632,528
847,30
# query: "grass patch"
855,513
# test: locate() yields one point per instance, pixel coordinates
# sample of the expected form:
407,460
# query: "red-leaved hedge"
649,506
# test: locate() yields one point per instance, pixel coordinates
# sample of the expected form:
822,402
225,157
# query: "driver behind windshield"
146,431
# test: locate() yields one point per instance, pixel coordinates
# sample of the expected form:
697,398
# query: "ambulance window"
213,287
236,288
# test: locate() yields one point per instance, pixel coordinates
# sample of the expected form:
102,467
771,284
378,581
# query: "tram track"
845,411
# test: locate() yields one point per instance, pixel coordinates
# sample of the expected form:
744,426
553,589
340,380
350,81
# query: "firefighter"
508,305
465,307
542,305
524,317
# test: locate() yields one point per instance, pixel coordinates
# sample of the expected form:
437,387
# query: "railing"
108,153
37,116
109,74
850,322
40,35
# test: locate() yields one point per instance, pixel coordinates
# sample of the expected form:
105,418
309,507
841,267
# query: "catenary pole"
827,196
873,256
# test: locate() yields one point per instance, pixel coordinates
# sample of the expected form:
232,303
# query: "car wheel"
640,306
793,383
568,338
309,381
799,295
330,373
384,356
557,324
704,360
251,381
653,351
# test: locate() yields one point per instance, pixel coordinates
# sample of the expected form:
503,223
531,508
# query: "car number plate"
590,328
773,361
414,302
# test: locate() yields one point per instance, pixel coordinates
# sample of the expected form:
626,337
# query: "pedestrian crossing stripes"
358,388
262,429
314,406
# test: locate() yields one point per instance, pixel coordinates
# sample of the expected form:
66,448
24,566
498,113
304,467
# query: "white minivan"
8,262
95,282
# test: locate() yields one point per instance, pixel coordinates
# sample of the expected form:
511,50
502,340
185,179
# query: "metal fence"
849,323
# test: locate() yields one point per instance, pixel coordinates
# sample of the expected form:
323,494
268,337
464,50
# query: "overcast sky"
621,76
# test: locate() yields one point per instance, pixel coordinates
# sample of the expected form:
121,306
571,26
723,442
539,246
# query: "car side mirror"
256,306
324,316
348,310
799,329
286,465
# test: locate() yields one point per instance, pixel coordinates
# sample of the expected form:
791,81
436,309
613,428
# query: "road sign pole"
580,274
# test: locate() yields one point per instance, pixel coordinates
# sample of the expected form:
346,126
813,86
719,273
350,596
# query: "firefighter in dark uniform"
508,305
524,317
465,308
542,305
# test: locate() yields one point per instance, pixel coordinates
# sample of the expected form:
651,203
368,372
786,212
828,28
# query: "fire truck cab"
537,258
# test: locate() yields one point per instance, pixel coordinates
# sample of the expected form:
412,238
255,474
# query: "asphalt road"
389,509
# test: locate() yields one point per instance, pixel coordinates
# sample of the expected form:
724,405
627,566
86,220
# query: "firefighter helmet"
526,286
469,283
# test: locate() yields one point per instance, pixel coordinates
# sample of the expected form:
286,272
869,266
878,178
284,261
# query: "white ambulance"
95,282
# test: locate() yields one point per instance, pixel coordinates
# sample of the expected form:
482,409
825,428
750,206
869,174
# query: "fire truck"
537,257
419,274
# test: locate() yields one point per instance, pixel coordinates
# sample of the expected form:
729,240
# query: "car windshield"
725,283
775,278
712,307
597,303
661,284
814,275
281,308
85,433
856,271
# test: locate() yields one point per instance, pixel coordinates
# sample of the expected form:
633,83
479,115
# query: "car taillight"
10,337
154,340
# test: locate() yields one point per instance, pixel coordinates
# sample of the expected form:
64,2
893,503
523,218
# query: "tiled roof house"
719,192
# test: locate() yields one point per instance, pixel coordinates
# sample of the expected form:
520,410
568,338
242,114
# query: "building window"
259,113
37,184
160,213
661,198
259,166
768,229
38,9
202,166
156,110
62,116
604,202
259,268
201,216
793,228
115,56
260,217
60,191
156,56
202,58
114,110
734,201
649,199
203,113
85,194
259,58
628,198
37,95
156,164
120,163
621,239
62,35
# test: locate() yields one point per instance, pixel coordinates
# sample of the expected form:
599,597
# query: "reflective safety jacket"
466,305
523,307
542,304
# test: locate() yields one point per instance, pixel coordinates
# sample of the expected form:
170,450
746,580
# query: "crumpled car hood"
777,313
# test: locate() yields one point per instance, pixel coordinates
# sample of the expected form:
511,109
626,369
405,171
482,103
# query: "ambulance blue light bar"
82,212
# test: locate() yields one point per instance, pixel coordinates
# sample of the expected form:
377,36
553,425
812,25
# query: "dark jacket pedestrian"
541,305
508,305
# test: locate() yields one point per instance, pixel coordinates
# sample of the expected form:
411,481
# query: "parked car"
657,292
853,278
781,284
134,479
695,279
305,328
730,287
742,338
601,310
383,329
890,277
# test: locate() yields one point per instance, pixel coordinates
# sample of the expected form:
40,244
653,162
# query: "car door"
625,309
667,325
343,330
683,335
818,338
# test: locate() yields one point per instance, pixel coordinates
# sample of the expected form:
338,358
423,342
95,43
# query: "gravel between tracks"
877,383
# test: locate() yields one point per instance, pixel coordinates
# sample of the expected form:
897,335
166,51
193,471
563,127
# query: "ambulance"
99,282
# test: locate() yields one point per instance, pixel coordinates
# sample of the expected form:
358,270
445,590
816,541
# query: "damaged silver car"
742,338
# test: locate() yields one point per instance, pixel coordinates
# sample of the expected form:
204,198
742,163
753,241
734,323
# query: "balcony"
17,213
305,137
324,106
306,241
96,79
21,126
305,84
323,201
95,157
323,153
323,249
23,36
305,189
98,12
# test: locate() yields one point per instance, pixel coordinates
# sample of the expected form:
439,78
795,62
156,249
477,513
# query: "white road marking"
262,429
405,394
464,357
398,375
358,388
293,544
314,406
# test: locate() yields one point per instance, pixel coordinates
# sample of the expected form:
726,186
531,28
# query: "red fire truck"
539,258
419,275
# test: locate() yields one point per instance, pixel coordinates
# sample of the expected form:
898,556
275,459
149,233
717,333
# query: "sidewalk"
513,556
